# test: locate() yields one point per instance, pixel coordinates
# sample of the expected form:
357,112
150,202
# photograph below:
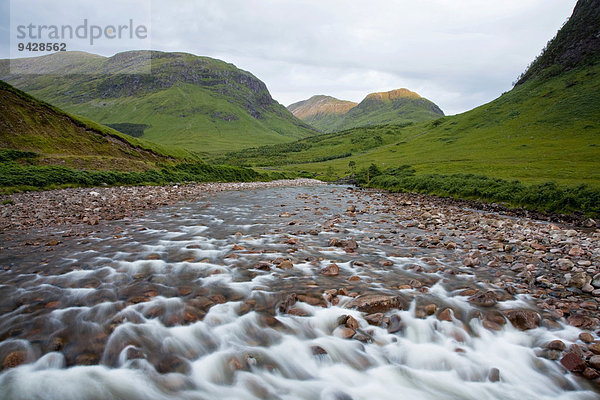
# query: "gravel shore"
91,205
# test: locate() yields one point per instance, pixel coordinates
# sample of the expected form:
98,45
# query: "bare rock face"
376,303
523,319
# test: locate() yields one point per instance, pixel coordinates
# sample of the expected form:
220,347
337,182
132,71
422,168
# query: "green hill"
400,106
198,103
56,138
43,147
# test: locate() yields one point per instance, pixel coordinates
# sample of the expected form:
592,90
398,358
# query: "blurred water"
166,307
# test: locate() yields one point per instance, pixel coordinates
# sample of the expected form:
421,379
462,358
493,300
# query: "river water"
197,301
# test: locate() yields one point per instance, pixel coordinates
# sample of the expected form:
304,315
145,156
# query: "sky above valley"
458,53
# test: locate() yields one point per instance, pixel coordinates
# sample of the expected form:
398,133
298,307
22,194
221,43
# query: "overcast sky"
458,53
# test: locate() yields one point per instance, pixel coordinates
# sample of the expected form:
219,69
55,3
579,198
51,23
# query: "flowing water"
188,303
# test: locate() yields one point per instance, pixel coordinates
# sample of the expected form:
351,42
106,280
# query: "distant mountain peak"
393,95
320,105
398,106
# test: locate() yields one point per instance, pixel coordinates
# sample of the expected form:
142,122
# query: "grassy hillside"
198,103
57,138
43,147
547,129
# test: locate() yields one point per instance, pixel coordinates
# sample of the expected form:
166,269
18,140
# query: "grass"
543,130
545,197
16,177
194,103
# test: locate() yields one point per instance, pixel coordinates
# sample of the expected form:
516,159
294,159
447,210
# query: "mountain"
576,44
321,112
199,103
31,126
400,106
547,128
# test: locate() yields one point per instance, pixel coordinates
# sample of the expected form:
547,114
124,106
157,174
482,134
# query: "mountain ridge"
398,106
200,103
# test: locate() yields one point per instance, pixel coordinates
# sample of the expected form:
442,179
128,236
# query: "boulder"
375,303
573,362
331,270
523,319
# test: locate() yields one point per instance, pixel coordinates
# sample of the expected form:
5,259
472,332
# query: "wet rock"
134,353
573,362
395,324
289,301
374,319
14,359
331,270
494,375
590,374
486,299
285,264
586,337
375,303
445,315
594,347
523,319
594,362
575,349
343,332
318,351
351,323
430,309
556,345
581,321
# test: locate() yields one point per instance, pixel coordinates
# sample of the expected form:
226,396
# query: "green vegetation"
544,197
135,130
543,130
29,126
14,176
197,103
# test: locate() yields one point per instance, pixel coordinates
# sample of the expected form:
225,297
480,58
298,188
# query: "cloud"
458,53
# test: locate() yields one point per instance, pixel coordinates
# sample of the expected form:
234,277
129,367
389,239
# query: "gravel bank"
91,205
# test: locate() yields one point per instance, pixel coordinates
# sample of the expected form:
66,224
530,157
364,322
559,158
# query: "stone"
594,362
343,332
556,345
375,303
494,375
14,359
486,299
445,315
286,264
331,270
587,288
594,347
395,324
590,374
586,337
581,321
351,323
430,309
374,319
573,362
523,319
576,251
